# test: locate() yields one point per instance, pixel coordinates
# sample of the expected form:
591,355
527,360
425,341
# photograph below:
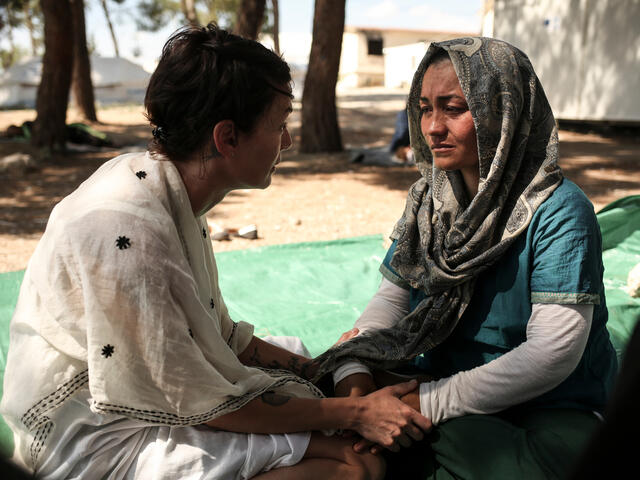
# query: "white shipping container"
586,53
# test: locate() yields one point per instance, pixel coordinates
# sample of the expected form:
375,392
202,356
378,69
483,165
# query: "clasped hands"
391,408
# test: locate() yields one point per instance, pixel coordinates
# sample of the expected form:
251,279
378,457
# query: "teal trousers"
537,444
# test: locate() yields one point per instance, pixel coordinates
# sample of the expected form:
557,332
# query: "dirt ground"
312,197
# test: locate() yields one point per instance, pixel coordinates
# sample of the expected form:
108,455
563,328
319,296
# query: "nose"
433,124
285,141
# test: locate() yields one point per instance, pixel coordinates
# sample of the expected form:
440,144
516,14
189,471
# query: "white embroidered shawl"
122,294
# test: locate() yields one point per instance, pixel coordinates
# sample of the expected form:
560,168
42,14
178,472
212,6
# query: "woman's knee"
365,466
374,466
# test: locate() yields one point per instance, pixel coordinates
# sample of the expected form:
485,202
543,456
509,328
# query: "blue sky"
295,16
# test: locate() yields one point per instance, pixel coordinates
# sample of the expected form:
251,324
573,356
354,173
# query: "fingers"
376,449
362,445
421,421
403,388
404,441
393,447
348,335
407,436
414,432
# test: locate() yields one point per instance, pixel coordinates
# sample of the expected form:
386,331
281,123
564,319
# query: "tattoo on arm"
255,357
294,364
274,399
305,370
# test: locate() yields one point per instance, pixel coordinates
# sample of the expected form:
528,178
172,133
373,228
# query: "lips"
442,148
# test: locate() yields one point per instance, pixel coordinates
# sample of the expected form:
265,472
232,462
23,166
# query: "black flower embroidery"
141,174
204,232
212,304
107,351
123,243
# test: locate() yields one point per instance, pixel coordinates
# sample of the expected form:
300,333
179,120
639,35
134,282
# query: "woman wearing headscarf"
124,362
493,283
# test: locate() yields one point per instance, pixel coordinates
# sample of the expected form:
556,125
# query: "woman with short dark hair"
123,361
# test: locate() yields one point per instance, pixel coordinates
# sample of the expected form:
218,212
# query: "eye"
456,109
425,109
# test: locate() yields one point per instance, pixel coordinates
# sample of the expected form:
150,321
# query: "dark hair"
206,75
440,56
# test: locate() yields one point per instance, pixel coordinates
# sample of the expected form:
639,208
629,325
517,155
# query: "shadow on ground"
605,166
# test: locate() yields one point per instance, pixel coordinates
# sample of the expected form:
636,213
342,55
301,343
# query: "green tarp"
317,290
9,287
620,225
313,290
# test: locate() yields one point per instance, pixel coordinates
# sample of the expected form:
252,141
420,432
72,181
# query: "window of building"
374,46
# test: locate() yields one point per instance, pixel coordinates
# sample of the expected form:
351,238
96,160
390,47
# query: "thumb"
403,388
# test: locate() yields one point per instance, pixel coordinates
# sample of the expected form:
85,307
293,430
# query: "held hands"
387,421
391,415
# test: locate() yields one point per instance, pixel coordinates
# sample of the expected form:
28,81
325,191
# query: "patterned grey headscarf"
444,239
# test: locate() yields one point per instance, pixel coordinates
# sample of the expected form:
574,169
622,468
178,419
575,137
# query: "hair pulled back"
206,75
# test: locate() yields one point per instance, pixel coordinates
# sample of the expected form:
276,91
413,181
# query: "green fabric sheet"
620,225
314,290
9,288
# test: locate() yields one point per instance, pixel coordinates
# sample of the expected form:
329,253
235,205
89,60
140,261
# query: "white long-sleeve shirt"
556,337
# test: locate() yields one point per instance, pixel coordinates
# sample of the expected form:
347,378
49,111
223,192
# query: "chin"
443,164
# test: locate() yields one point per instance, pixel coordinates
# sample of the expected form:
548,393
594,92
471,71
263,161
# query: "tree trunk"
250,18
26,7
320,131
8,61
81,79
189,11
276,27
57,63
113,34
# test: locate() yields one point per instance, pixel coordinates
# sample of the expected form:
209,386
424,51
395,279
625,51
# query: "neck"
204,184
471,179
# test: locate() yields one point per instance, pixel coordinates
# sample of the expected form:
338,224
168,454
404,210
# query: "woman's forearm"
266,355
380,417
556,338
276,413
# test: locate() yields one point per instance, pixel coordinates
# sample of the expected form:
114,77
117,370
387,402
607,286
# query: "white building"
586,52
115,80
401,62
370,56
19,84
374,57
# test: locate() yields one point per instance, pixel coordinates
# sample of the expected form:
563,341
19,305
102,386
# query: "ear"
225,137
